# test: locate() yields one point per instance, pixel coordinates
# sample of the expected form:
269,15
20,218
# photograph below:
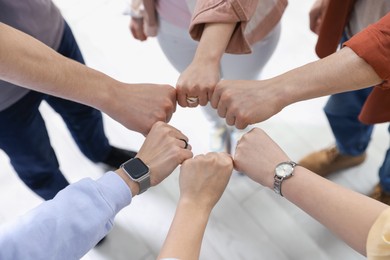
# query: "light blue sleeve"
69,225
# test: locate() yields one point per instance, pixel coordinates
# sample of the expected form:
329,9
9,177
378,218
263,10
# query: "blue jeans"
352,136
24,138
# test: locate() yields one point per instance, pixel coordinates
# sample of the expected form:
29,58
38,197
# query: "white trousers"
180,48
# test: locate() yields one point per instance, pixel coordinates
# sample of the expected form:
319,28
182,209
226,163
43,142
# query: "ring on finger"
185,143
192,100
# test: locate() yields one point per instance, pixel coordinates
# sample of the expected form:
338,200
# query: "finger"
203,99
192,100
215,97
134,32
183,143
142,37
178,134
240,124
173,99
181,97
237,167
168,130
230,119
187,154
192,103
170,111
222,110
168,117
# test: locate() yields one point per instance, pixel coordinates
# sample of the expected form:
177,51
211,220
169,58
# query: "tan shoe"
380,195
329,160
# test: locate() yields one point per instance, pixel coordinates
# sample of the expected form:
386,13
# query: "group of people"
76,218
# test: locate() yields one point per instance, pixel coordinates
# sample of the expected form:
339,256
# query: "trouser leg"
84,123
24,138
342,110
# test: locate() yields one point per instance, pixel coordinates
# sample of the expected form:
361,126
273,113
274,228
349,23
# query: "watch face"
135,168
283,170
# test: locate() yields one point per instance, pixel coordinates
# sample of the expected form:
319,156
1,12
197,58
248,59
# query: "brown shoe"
380,195
329,160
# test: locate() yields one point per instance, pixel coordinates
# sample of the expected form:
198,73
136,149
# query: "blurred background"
249,222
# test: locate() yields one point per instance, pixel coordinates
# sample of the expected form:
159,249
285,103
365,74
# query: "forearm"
340,72
29,63
212,45
346,213
68,226
185,235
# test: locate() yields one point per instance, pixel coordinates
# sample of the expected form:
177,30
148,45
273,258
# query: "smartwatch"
138,171
283,171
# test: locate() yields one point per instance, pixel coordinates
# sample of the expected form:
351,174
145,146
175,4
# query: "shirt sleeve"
224,11
378,241
70,224
373,45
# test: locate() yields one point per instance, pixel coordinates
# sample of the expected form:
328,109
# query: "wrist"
196,206
285,90
104,93
133,186
213,42
203,58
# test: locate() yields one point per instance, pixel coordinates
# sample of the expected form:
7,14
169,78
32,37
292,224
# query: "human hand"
163,151
139,106
198,80
245,102
257,156
204,178
136,27
316,15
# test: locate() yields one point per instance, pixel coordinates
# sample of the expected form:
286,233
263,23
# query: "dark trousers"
24,138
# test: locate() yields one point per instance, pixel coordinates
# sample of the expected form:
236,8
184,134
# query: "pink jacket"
255,18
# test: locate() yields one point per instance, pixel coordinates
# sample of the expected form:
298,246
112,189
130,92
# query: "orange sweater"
373,45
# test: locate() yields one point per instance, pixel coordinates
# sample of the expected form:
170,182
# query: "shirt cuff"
114,190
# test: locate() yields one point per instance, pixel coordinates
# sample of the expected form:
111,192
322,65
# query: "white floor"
249,222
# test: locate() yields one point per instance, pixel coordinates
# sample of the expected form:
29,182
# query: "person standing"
342,110
23,134
209,40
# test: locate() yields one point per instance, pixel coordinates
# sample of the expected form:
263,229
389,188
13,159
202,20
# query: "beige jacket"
378,241
254,18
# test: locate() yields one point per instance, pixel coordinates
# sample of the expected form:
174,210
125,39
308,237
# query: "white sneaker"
220,139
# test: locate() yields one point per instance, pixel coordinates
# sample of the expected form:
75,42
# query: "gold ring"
192,100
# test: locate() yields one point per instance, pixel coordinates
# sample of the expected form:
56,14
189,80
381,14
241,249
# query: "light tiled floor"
250,222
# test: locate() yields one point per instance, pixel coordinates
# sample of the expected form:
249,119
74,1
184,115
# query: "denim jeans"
352,136
24,138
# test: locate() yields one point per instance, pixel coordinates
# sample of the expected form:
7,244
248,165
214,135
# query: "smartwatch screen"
135,168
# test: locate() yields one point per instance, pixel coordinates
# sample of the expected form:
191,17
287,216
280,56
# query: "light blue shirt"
69,225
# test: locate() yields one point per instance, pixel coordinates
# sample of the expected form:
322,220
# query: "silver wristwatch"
138,171
283,171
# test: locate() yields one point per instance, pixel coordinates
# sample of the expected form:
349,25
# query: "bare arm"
31,64
26,61
202,182
340,72
346,213
201,76
244,102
